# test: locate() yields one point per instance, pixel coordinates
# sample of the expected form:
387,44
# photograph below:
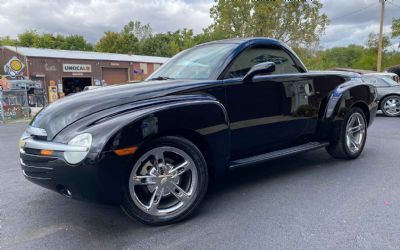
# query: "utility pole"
379,63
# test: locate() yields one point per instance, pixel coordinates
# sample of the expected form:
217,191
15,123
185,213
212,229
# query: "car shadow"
262,172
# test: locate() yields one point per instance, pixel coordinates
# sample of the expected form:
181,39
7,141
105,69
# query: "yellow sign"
53,96
16,65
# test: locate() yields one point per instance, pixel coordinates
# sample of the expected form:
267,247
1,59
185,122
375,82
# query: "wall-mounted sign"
82,68
114,64
14,67
138,74
13,112
60,88
48,67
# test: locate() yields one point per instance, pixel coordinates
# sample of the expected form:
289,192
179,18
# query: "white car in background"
390,75
91,87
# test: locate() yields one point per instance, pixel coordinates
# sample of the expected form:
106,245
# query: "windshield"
390,81
196,63
380,81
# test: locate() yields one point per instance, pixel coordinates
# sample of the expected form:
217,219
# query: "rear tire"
166,183
352,136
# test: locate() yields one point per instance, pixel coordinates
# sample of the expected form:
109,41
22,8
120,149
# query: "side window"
253,56
375,81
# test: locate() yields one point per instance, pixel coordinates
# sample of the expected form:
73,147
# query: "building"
66,71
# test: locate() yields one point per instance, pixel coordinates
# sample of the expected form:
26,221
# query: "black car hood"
65,111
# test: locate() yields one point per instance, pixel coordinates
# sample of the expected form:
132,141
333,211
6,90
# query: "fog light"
82,140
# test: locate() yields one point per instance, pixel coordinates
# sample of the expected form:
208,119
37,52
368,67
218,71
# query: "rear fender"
341,101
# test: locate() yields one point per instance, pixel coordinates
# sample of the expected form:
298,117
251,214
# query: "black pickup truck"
153,146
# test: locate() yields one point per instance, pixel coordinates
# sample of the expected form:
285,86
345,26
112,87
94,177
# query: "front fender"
201,114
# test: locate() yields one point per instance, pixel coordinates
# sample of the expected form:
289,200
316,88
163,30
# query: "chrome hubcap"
163,181
355,132
392,106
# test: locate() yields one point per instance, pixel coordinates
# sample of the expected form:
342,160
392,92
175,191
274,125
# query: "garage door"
115,75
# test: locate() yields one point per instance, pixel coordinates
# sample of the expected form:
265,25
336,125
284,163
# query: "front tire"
166,183
352,136
390,106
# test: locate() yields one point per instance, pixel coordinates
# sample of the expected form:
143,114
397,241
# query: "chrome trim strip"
34,177
35,144
22,162
25,165
36,131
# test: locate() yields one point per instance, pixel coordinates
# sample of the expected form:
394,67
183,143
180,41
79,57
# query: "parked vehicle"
152,146
390,75
388,94
86,88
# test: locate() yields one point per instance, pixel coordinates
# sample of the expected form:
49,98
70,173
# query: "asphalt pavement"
308,201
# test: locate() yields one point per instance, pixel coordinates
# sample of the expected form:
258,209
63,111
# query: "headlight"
82,140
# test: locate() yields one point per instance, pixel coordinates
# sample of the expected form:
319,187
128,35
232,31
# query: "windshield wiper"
161,78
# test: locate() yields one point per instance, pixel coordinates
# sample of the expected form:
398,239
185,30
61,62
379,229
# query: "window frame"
266,46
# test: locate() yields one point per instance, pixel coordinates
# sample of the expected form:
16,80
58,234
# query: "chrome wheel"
163,181
391,106
355,133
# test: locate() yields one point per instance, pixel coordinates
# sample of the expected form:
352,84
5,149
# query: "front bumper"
97,178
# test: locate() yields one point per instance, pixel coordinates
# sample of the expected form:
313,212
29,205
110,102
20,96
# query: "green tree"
7,41
139,30
373,41
45,40
74,42
28,38
125,41
396,28
232,18
109,42
298,23
343,57
158,45
167,44
32,38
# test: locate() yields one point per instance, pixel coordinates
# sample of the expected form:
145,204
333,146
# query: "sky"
351,20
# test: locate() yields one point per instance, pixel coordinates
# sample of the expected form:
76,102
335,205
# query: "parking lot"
309,201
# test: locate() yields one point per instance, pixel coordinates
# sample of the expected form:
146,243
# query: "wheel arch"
198,140
342,99
204,123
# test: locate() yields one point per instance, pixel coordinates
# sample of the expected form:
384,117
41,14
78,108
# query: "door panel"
266,114
273,111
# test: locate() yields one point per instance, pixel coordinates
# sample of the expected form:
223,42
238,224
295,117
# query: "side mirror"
258,69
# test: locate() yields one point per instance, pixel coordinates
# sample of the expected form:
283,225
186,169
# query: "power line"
395,5
354,12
